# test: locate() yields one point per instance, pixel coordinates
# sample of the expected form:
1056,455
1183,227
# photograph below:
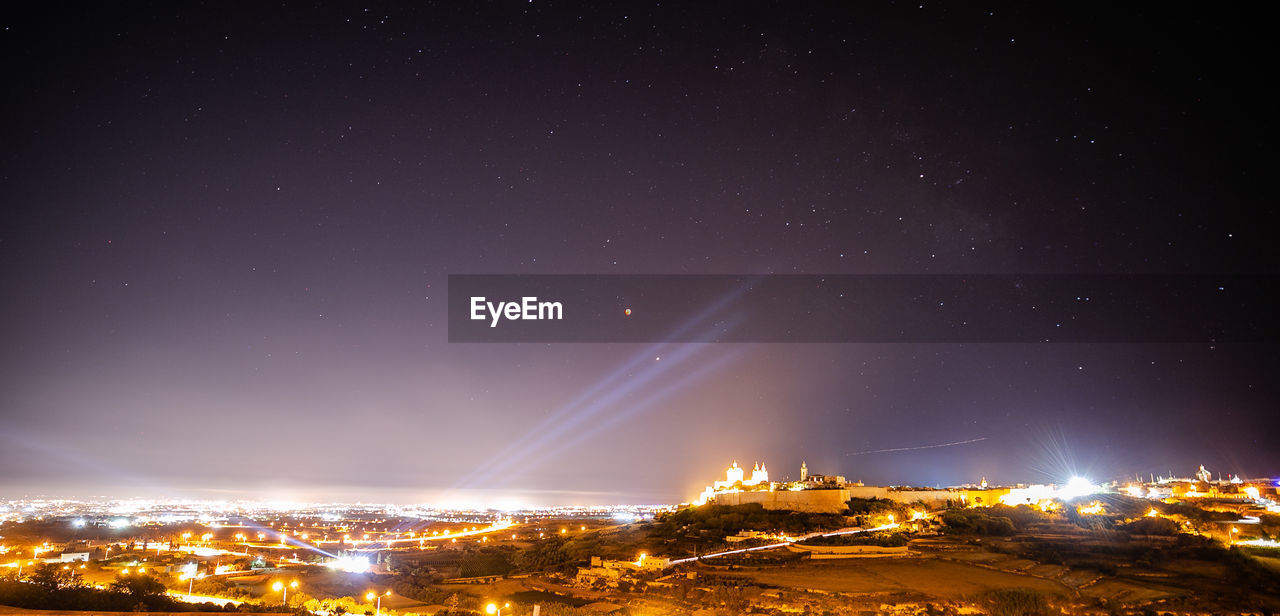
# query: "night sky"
227,231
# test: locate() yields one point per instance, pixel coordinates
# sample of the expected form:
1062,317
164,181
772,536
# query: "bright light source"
1266,543
1076,486
1032,495
350,564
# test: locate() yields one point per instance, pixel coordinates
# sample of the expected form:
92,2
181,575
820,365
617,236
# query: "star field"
229,230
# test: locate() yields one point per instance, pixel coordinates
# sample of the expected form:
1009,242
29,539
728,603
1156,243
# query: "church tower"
804,471
759,474
734,474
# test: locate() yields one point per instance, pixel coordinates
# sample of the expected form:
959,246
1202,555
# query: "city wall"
848,551
835,501
931,498
809,501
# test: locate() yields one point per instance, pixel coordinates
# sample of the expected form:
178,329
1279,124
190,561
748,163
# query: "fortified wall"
808,501
931,498
829,493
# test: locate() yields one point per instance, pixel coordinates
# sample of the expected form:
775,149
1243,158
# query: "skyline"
488,500
228,235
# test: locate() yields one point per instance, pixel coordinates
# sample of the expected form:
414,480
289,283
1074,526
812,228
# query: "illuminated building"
816,493
734,477
735,480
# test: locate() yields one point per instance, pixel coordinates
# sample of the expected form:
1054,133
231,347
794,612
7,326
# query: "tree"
51,577
139,586
1152,526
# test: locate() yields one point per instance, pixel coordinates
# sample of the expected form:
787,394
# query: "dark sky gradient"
227,229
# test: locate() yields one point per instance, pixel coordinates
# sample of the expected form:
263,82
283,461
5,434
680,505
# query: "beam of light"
614,385
619,413
863,453
1055,460
579,412
288,540
637,374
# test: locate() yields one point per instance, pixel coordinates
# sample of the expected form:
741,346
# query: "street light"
493,608
281,588
371,596
190,572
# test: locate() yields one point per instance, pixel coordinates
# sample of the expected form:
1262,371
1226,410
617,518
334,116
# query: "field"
1045,565
925,577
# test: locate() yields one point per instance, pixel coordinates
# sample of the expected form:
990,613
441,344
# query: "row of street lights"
280,587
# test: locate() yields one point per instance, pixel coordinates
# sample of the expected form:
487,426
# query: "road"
843,531
186,598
